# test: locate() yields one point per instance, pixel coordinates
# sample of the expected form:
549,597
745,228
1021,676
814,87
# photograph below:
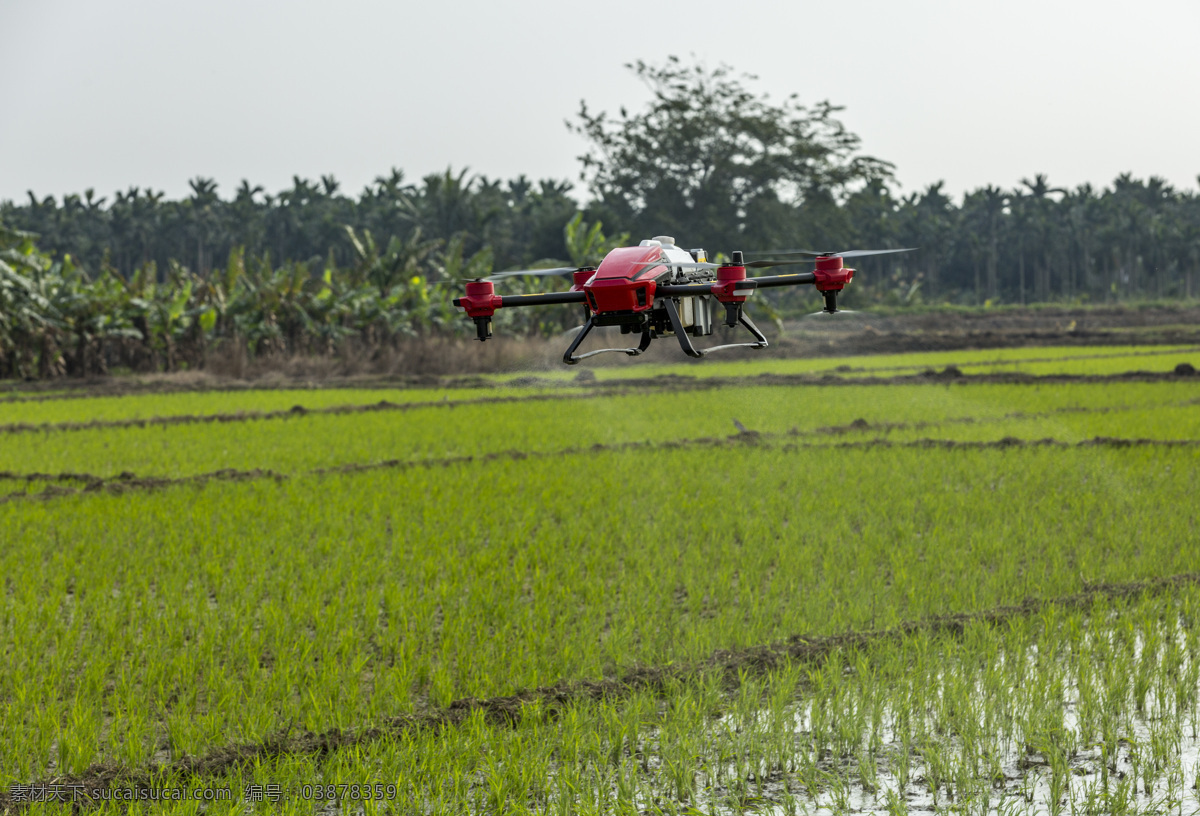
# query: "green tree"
708,153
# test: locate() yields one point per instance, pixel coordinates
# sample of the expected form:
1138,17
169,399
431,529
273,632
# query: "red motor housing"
579,277
480,300
725,289
831,275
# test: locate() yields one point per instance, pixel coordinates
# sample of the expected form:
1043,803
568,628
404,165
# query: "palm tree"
204,217
983,211
1045,231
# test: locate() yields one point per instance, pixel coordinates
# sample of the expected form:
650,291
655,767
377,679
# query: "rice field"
760,588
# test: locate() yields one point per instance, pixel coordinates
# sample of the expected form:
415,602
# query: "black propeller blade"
682,264
849,253
780,262
705,265
824,313
808,252
808,256
533,273
860,253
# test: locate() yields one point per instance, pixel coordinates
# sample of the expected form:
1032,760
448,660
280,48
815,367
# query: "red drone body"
656,289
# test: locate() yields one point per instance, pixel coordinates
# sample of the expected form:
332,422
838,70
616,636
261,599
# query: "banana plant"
399,261
586,243
30,320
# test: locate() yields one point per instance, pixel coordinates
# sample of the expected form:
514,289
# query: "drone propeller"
808,257
780,262
706,265
807,252
849,253
860,253
681,264
534,273
824,313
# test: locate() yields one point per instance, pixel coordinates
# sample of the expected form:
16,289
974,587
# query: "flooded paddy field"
963,581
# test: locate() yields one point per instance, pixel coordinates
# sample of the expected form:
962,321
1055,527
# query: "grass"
149,626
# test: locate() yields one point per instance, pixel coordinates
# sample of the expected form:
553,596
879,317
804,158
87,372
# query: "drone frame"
630,289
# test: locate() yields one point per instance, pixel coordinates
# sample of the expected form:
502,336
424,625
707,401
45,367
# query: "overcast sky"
113,93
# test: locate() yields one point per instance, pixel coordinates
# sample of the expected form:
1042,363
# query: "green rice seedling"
146,625
1039,360
1012,806
142,406
299,442
900,763
837,782
937,768
868,779
836,786
1059,777
894,802
808,773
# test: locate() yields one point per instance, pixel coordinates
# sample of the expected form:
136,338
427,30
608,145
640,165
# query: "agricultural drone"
656,289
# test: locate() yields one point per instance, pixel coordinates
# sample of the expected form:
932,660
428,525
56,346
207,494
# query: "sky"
110,94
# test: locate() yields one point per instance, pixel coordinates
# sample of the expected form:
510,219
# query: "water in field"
1028,783
1113,744
1101,721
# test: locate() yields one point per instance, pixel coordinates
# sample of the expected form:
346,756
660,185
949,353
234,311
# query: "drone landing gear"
733,316
570,358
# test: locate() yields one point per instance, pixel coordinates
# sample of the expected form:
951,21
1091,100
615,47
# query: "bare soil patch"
871,333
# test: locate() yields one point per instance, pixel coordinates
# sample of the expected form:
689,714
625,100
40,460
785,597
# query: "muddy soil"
870,333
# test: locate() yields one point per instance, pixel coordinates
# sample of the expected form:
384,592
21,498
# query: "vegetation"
565,423
147,283
322,583
56,320
711,160
1066,711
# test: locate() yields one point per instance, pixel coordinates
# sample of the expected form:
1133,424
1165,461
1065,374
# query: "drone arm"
794,278
828,284
734,287
481,302
543,299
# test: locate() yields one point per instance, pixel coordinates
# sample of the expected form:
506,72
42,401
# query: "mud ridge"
126,482
121,386
258,416
850,368
509,709
622,387
118,387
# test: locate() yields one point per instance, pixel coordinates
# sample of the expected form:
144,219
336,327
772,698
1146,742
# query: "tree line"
140,280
